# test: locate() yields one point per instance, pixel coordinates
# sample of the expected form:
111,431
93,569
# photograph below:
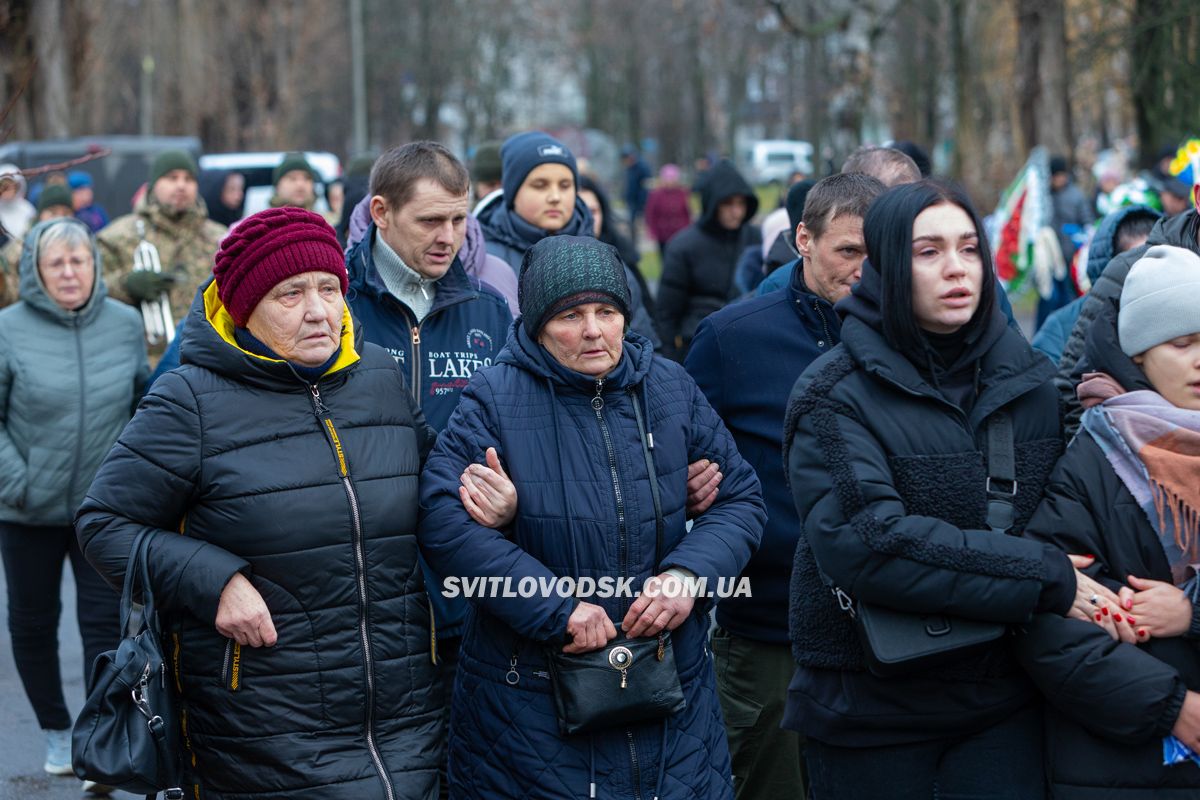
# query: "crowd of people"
465,376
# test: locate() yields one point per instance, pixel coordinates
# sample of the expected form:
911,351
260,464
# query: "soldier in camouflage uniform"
174,219
295,182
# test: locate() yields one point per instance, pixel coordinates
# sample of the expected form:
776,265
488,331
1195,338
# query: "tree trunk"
52,113
1043,78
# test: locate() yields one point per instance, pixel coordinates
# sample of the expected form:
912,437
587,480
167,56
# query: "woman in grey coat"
72,365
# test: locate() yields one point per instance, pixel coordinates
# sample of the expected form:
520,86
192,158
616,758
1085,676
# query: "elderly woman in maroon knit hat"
276,471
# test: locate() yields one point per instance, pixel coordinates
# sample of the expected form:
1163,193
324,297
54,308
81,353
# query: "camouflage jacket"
10,263
186,247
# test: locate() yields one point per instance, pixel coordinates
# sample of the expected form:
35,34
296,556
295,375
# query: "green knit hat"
291,163
561,272
486,166
360,166
55,195
169,160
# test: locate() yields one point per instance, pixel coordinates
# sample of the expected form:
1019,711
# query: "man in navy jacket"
745,358
410,294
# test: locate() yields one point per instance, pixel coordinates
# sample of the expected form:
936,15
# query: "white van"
257,167
776,159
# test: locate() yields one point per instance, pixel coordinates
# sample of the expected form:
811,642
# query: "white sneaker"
97,789
58,753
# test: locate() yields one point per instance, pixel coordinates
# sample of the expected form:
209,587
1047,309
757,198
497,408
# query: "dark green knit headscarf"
561,272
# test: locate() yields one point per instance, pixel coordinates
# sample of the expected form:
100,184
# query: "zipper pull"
416,334
598,401
316,396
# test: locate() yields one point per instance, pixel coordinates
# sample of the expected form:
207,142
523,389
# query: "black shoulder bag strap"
1002,473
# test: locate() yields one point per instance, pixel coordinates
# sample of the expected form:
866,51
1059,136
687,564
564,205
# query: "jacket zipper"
82,415
225,663
360,564
416,363
598,407
637,770
824,324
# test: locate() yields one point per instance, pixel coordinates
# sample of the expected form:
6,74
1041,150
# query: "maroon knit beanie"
268,247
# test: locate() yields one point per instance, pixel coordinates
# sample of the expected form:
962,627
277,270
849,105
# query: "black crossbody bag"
127,735
629,680
900,642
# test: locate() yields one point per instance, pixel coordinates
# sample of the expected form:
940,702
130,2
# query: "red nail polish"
1088,555
1141,631
1099,617
1116,617
1104,611
1132,621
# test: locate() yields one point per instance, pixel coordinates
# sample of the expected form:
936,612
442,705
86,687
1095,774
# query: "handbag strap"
647,448
1001,489
138,567
1002,472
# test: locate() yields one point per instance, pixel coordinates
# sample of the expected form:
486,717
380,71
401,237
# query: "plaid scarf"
1154,447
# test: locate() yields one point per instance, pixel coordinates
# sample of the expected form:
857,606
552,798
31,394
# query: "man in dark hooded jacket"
1181,230
745,358
699,265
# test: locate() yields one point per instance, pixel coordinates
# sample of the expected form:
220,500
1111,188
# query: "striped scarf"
1154,447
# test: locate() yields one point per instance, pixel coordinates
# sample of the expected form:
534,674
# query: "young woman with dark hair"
886,443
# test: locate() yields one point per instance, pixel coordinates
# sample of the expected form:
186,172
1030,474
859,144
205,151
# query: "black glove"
143,285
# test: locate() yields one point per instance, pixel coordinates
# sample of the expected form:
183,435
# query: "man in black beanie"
173,218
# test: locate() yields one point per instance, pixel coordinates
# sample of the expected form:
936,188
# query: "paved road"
22,749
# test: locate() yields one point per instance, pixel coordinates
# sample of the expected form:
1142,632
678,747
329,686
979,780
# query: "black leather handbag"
899,642
628,681
127,735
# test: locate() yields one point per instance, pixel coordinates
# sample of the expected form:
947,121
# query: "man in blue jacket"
410,295
745,358
408,289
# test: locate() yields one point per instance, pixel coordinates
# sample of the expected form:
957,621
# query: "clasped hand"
1136,613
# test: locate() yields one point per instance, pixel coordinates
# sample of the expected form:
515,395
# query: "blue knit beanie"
524,152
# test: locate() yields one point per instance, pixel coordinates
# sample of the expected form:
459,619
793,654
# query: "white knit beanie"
1160,300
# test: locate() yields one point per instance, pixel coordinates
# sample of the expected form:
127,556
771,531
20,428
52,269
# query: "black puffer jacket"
889,480
1181,230
699,265
1109,704
311,492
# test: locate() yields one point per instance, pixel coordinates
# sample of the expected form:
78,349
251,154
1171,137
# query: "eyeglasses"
59,265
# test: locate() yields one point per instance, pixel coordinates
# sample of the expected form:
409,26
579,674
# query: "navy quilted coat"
583,485
236,465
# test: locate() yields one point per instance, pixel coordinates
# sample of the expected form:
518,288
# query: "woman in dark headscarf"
224,194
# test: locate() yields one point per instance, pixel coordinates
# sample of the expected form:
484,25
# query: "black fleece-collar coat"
889,479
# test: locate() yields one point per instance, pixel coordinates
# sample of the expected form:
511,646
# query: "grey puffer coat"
68,384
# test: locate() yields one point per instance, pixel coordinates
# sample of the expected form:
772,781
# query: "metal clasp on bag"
845,602
620,658
138,694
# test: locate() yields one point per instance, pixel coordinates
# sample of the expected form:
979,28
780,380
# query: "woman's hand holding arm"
589,628
243,616
487,492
